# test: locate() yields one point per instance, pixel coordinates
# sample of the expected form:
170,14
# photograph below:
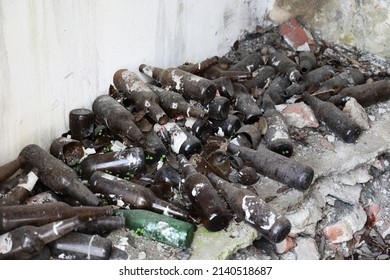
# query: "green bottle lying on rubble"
158,227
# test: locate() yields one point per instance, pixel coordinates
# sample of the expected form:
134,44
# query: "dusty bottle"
218,108
9,168
214,73
312,80
56,175
275,166
204,197
277,137
101,225
249,62
175,105
12,182
27,241
260,78
249,135
15,216
277,90
284,65
81,123
179,140
227,127
117,118
190,85
196,68
307,61
251,208
365,94
130,161
224,87
245,103
337,121
202,129
332,86
43,197
69,151
154,148
81,246
140,95
133,195
20,193
159,227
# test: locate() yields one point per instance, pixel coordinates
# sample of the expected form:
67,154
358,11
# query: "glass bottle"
260,78
227,127
202,129
277,90
307,61
179,140
175,105
27,241
22,191
15,216
140,95
9,168
117,118
161,228
245,104
365,94
204,197
196,68
277,137
128,162
275,166
224,87
253,209
218,108
284,65
249,62
69,151
81,123
133,195
190,85
335,119
312,80
101,225
56,175
81,246
214,73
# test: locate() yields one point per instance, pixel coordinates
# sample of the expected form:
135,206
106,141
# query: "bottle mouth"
279,231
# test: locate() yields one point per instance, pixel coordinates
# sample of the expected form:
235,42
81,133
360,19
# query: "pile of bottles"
166,156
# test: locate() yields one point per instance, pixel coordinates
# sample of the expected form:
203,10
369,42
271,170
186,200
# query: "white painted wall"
59,55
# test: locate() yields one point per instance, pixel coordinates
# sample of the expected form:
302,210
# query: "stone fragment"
286,245
356,112
306,249
299,115
347,224
357,176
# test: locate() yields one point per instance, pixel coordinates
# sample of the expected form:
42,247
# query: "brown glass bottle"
204,197
101,225
277,90
275,166
140,95
218,108
15,216
196,68
9,168
284,65
128,162
56,175
27,241
81,246
245,104
365,94
117,118
69,151
249,62
133,195
227,127
307,61
175,105
335,119
215,73
81,123
190,85
251,208
260,78
277,137
21,191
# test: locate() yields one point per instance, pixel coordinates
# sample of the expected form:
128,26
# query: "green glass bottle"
161,228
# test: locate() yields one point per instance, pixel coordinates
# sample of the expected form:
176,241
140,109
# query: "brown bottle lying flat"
196,68
9,168
337,121
190,85
252,209
284,65
39,214
56,175
275,166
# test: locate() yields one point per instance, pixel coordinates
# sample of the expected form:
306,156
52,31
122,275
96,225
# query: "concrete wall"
59,55
361,23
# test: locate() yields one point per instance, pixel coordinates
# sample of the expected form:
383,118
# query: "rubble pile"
295,126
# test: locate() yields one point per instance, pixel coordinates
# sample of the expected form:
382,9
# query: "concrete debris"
298,115
356,112
306,249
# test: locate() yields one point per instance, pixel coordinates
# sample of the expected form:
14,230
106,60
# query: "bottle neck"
186,167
